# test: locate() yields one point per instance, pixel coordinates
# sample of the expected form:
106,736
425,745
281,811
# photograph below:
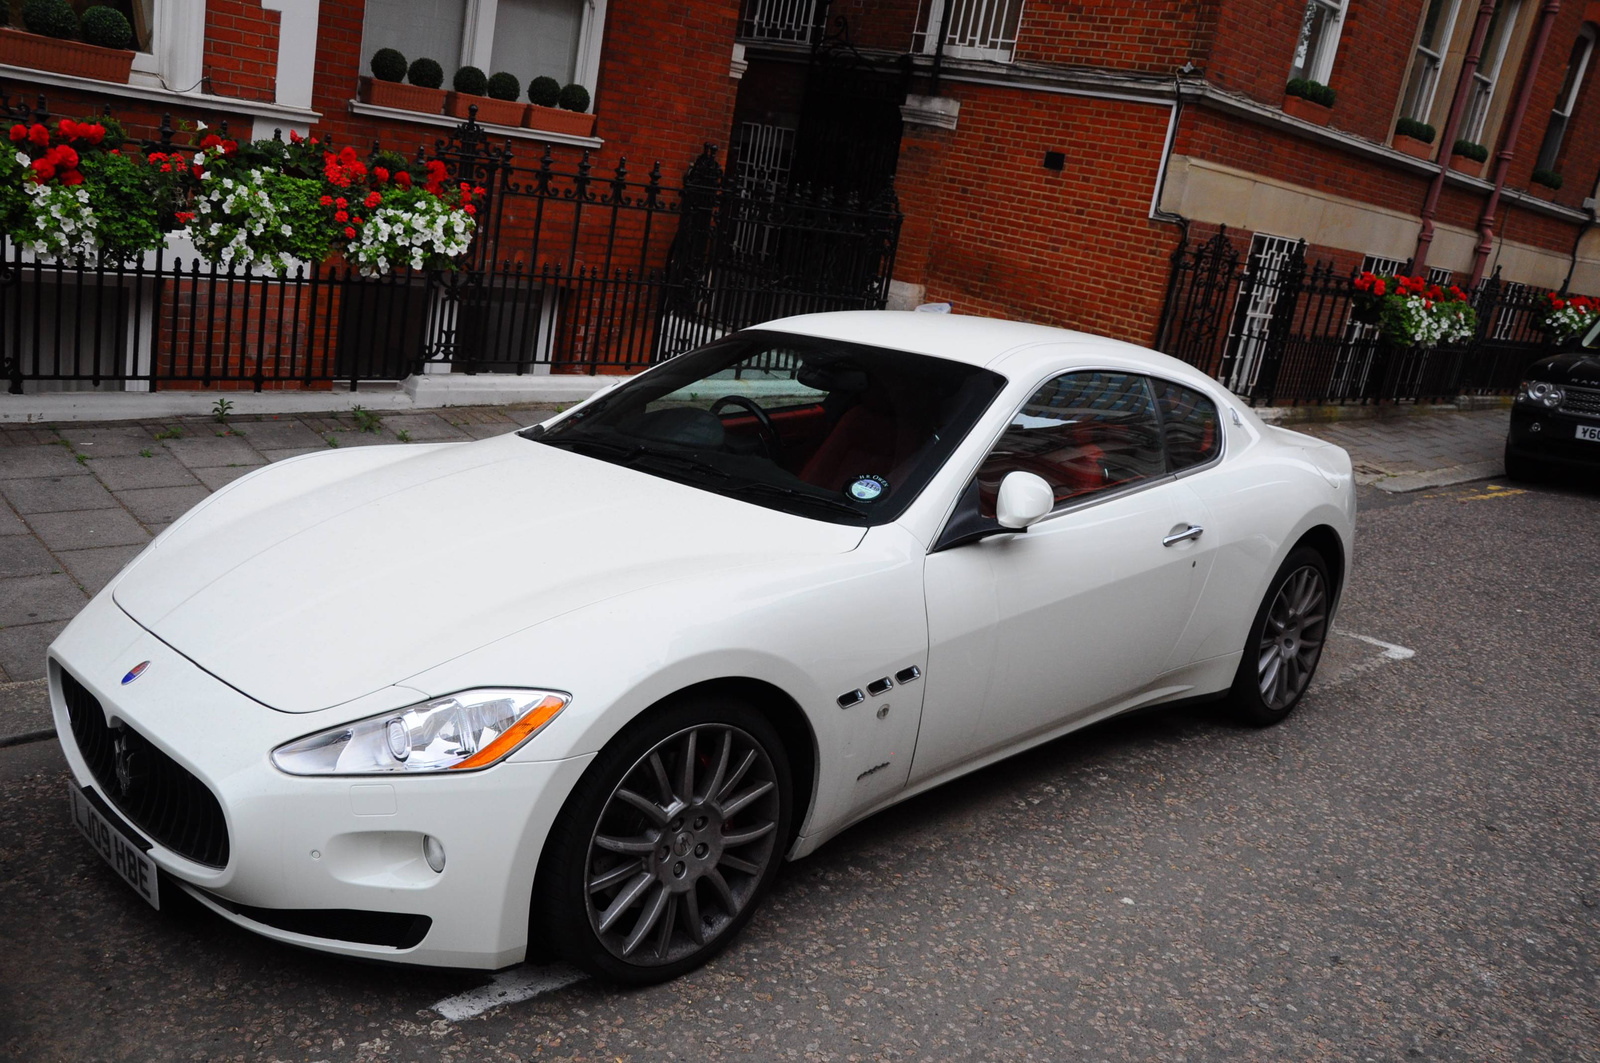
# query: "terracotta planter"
1470,167
64,57
1417,149
1305,110
555,120
401,96
490,111
1543,191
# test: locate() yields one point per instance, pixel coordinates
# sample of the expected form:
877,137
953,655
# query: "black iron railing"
1276,331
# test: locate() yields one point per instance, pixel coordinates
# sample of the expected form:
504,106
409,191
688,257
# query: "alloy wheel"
682,844
1292,636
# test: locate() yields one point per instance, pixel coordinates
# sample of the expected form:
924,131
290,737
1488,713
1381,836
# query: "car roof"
990,342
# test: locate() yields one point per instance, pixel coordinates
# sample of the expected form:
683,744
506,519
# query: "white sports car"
586,683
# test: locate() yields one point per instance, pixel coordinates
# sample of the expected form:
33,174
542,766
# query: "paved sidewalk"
78,501
1408,453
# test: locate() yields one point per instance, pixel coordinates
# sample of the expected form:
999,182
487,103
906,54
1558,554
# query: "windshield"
821,428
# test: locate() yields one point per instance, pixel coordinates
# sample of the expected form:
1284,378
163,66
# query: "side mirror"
1025,498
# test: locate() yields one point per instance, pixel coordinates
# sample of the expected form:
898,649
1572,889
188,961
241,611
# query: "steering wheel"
769,434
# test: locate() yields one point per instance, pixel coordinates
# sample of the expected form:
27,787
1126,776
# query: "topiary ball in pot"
574,98
425,73
50,18
504,86
544,91
387,64
469,81
107,27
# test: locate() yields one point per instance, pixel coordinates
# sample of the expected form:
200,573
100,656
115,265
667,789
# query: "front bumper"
1552,436
325,844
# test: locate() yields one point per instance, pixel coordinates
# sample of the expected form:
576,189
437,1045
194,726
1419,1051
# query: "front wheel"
667,844
1524,470
1285,641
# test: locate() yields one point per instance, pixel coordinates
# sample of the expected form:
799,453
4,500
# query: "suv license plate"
136,869
1589,432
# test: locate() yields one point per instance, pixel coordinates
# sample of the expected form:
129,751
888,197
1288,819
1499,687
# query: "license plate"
136,869
1590,432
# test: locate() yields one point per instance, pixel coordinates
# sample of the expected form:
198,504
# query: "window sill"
444,121
205,100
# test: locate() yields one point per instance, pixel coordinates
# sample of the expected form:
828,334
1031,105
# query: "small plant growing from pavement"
366,420
544,91
170,433
403,436
220,410
504,86
333,440
147,453
387,64
574,98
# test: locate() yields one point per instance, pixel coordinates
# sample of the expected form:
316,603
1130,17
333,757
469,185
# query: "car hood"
332,577
1579,369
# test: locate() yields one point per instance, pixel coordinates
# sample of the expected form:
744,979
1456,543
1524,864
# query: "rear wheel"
668,843
1285,641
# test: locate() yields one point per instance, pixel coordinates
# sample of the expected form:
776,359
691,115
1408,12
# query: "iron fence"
571,271
1277,331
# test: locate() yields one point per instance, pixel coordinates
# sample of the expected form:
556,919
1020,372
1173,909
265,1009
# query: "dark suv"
1555,420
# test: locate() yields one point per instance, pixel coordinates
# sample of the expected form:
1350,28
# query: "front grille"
1582,401
162,797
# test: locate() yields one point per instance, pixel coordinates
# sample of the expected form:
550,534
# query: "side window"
1082,432
1189,422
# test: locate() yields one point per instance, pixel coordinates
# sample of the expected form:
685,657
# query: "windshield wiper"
758,487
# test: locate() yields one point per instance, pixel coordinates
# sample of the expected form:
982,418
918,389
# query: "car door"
1031,630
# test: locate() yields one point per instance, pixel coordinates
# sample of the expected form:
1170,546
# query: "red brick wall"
1157,36
241,49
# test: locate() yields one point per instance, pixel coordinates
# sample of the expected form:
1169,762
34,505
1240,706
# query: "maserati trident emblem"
135,672
130,766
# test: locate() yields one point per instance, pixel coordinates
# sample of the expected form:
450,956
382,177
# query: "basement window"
973,29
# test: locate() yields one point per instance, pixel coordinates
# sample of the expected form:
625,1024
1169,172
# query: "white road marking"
509,987
1390,650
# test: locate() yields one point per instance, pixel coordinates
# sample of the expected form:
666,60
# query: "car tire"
688,864
1275,671
1523,469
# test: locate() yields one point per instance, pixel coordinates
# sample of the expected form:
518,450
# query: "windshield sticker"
867,488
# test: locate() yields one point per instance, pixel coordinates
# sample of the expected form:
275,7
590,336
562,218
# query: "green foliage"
333,441
1410,127
392,161
147,453
426,73
1548,178
170,433
107,27
574,98
1469,150
469,81
1306,89
299,201
366,420
403,436
504,86
128,214
50,18
220,410
387,64
545,91
13,200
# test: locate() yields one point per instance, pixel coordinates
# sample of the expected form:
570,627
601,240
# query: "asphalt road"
1409,867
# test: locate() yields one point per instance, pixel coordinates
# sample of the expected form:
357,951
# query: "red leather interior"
862,442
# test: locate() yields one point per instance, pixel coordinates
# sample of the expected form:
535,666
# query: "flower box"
490,110
1417,149
1470,167
556,120
402,96
65,57
1543,191
1305,110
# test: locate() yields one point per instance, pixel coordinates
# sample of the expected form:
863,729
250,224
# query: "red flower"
1379,288
185,216
19,133
166,167
347,155
470,209
39,134
1559,304
403,179
373,199
326,201
211,141
67,128
349,233
380,173
115,151
478,191
340,203
295,137
340,215
72,177
66,158
230,147
359,221
94,134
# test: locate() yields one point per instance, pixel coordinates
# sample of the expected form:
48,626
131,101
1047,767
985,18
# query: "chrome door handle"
1193,531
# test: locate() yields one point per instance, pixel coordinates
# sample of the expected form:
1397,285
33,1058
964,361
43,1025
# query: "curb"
25,713
1328,414
1406,482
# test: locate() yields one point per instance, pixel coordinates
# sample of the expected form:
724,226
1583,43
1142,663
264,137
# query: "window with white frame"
1319,39
1487,76
1440,276
972,29
778,20
527,38
1567,98
1438,23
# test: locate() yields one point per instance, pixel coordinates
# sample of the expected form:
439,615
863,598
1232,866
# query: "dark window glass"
1189,420
1082,432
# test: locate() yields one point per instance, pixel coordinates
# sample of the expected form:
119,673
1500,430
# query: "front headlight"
472,729
1540,393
